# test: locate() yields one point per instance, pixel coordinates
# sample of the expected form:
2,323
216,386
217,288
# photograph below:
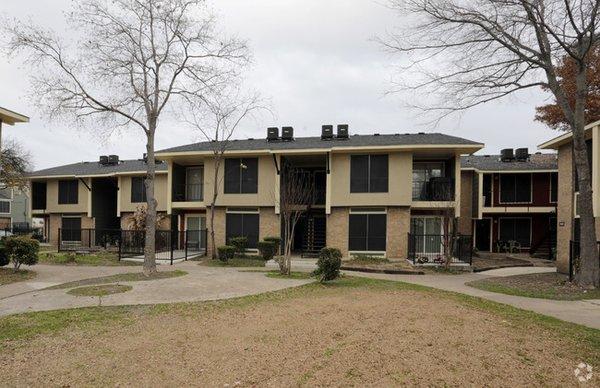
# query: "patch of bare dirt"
355,337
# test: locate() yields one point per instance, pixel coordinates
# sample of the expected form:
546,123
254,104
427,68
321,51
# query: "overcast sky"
316,61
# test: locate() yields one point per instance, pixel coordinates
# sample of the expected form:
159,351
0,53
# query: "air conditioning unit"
103,160
272,133
342,131
506,155
287,133
522,154
113,159
326,132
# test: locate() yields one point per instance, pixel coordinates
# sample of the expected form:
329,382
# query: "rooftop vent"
342,131
522,154
287,133
421,133
272,133
103,160
326,132
506,155
375,134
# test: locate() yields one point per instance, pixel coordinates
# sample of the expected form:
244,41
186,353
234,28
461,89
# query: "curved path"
583,312
200,284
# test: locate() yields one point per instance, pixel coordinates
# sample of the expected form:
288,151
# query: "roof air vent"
287,133
326,132
342,131
506,155
421,133
272,133
522,154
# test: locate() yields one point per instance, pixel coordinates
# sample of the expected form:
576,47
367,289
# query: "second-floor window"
68,192
554,187
138,189
241,176
369,174
515,188
5,207
38,195
424,173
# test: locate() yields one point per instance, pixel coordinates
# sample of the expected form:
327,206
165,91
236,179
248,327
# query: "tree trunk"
589,271
149,245
212,208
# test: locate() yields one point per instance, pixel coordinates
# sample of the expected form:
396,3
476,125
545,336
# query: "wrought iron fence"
432,248
574,254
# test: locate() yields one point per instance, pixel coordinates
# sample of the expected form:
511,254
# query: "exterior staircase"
314,239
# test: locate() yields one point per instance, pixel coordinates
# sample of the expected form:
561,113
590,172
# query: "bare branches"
15,162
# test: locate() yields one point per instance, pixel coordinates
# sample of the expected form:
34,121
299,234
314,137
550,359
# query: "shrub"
4,259
328,265
275,240
22,250
267,249
239,243
226,252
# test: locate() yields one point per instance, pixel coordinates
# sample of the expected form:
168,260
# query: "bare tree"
466,53
295,198
15,162
217,120
134,61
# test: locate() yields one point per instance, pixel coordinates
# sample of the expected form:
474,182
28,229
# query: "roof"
536,162
565,138
9,117
84,169
315,142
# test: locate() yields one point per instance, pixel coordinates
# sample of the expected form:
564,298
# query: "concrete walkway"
584,312
200,284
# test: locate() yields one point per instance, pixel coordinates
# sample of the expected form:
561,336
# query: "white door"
195,227
428,233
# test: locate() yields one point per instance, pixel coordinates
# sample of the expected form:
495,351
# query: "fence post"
171,246
59,239
185,244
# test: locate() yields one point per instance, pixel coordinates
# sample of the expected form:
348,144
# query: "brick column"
337,230
398,226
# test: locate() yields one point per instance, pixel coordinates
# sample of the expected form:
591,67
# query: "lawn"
8,275
122,277
354,331
540,285
100,290
67,258
235,262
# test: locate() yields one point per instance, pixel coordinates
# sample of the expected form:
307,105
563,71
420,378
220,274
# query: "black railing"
432,248
574,254
188,192
435,189
22,230
168,244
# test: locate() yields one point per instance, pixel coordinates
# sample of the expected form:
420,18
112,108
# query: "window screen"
367,232
68,192
553,187
242,225
138,189
515,188
369,173
4,206
241,176
71,229
516,229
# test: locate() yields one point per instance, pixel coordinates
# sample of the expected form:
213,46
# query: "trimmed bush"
267,249
22,250
225,252
328,265
276,240
240,243
4,259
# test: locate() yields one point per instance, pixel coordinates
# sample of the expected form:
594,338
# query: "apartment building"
99,195
14,209
370,190
509,201
568,218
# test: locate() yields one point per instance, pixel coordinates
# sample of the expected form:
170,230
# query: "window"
553,187
70,229
38,195
242,224
241,176
5,207
515,188
427,233
138,189
68,192
369,174
515,229
367,231
423,172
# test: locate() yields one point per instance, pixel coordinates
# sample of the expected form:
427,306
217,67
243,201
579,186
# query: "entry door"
195,230
428,233
482,234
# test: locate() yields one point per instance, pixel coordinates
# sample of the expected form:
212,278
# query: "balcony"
188,192
435,189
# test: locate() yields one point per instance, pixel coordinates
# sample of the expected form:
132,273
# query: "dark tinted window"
38,195
138,189
71,229
368,173
68,192
4,206
515,188
242,225
367,232
241,176
516,229
553,187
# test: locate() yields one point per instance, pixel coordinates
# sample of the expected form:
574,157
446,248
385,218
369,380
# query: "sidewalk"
584,312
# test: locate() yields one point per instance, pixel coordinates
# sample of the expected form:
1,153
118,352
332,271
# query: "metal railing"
435,189
169,245
432,248
188,192
574,254
24,230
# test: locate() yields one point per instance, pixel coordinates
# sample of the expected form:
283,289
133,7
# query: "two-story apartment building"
92,195
370,190
567,215
509,201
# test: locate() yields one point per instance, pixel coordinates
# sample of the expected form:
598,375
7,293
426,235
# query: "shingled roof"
315,142
536,162
82,169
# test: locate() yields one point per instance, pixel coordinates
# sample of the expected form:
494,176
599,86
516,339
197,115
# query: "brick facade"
398,226
465,223
337,229
56,223
269,226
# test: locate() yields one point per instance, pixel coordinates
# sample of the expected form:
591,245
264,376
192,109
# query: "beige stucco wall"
160,192
83,198
565,207
465,222
399,183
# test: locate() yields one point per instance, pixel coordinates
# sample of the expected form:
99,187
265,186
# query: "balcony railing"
432,248
188,192
435,189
